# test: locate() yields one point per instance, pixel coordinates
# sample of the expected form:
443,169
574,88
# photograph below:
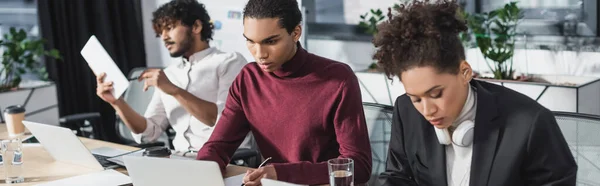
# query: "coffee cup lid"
157,152
14,109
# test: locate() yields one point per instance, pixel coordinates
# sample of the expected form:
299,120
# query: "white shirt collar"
458,159
198,56
469,109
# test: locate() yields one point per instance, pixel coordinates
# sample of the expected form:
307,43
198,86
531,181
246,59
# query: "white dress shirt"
207,75
458,159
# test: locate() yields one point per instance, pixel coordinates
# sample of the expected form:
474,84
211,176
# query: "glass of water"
341,172
11,160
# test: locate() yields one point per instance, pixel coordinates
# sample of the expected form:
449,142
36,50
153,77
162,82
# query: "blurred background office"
548,50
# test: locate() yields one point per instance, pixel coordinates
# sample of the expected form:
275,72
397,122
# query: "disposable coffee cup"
159,152
13,116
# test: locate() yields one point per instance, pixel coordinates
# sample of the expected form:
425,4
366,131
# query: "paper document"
269,182
234,180
99,61
101,178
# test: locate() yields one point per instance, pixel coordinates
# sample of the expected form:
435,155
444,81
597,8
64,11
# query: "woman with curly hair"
449,129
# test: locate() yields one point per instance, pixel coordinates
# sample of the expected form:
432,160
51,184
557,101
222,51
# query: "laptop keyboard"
103,160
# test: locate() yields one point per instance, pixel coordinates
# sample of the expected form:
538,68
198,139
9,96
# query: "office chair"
139,100
83,124
379,125
87,124
582,134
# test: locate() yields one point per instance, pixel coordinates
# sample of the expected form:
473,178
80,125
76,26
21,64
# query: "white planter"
39,99
582,96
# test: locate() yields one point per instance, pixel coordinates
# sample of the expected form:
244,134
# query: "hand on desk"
253,177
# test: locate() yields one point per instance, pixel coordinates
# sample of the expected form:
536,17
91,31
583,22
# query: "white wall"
354,53
534,61
156,54
43,102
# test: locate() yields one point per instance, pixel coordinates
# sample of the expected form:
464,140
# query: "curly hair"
421,34
186,11
286,10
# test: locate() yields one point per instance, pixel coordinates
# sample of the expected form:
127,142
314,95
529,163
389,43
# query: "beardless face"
179,39
269,43
438,96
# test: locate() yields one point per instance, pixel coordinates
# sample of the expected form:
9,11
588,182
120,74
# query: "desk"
40,167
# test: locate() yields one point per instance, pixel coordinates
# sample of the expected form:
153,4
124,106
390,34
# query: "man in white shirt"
190,94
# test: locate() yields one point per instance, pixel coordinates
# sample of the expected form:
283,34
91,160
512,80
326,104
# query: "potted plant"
368,24
494,34
21,55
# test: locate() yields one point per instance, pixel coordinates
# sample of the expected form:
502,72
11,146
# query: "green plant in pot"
495,33
368,23
20,56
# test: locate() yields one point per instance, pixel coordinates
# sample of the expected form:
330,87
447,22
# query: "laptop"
150,171
63,145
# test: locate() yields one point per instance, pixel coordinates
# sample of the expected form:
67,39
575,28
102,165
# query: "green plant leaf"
493,14
55,54
378,12
16,81
13,31
21,35
20,55
20,70
484,43
363,24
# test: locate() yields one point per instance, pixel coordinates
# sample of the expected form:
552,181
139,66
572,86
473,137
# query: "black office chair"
582,132
139,100
379,125
83,124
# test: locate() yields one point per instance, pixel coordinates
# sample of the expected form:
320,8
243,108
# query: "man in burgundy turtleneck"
301,108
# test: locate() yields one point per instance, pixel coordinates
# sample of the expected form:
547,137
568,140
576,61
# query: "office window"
571,4
552,17
347,11
541,17
19,14
540,9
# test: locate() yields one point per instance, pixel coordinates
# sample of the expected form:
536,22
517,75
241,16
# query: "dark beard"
185,46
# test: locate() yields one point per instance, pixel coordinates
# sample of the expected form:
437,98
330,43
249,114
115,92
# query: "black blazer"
516,142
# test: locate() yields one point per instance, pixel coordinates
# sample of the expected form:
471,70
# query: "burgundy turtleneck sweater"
305,113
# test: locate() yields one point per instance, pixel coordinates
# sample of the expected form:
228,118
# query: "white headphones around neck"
462,136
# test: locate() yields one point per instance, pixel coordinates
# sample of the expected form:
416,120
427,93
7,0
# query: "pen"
263,163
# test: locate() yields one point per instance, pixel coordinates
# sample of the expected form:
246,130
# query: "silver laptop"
63,145
149,171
